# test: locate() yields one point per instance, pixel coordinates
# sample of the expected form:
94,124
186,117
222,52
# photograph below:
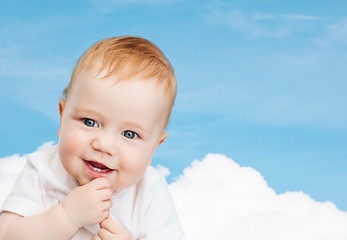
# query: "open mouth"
96,169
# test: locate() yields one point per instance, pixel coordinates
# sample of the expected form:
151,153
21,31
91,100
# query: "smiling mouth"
96,169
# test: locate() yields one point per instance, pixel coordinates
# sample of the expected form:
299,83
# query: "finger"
105,194
106,205
96,238
111,225
100,183
105,234
105,214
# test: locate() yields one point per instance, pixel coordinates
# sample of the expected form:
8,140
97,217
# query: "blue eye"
129,134
90,122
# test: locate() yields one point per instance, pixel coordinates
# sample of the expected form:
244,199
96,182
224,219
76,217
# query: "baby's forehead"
94,76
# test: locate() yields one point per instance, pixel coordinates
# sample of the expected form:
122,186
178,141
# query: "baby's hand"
111,230
89,204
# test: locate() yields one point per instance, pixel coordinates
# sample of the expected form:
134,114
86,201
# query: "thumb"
102,222
111,225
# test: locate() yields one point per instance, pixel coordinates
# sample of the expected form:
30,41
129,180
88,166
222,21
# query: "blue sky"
262,82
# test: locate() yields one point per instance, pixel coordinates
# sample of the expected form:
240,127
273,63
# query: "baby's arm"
51,224
85,205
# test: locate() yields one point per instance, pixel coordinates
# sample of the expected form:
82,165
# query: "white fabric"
146,209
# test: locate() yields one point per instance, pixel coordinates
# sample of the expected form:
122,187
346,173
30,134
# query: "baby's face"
111,130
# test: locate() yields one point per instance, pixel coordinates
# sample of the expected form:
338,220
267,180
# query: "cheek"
70,144
135,162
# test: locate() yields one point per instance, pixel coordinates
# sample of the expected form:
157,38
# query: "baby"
97,183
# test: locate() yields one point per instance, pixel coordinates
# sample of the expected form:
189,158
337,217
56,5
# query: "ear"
61,110
161,140
163,137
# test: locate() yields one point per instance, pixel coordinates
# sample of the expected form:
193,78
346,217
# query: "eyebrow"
138,126
85,110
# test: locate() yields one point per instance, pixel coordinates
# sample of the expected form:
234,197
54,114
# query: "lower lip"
95,174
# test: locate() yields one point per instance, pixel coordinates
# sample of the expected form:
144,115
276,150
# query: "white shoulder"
159,220
27,196
152,180
153,174
43,157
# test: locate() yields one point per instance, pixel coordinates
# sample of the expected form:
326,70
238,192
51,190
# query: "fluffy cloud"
217,199
164,171
259,24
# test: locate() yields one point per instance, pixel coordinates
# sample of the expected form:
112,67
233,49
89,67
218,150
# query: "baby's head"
114,111
122,58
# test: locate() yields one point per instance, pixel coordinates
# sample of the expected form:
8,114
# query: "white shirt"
145,209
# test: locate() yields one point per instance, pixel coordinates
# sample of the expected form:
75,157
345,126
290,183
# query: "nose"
104,142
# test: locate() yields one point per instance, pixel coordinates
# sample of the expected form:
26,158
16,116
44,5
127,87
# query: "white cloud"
274,98
30,74
336,32
106,6
45,145
217,199
261,24
164,171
